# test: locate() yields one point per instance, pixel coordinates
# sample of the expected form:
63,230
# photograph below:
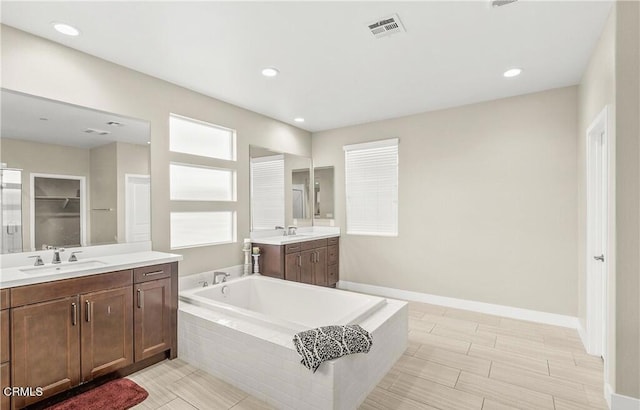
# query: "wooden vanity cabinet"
314,262
68,332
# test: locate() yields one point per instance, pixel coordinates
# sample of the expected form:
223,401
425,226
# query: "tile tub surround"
262,360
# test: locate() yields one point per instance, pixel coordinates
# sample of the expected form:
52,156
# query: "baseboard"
608,392
498,310
582,332
620,402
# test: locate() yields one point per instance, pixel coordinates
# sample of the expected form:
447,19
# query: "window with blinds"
267,192
202,183
371,179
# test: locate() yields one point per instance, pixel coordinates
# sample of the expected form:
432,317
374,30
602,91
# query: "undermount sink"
64,267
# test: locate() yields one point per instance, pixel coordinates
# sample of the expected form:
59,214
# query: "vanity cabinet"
68,332
314,262
152,313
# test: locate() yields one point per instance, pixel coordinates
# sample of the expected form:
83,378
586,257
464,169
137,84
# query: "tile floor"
455,360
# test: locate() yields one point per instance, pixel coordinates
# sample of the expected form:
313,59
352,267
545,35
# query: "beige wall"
627,170
36,66
34,157
487,203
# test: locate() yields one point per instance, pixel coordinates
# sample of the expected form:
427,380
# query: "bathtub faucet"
224,275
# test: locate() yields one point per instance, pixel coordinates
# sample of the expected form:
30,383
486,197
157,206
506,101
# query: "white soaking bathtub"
242,332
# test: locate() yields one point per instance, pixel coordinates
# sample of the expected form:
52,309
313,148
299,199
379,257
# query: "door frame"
32,205
597,303
127,202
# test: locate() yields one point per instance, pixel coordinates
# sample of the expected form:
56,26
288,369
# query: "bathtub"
241,331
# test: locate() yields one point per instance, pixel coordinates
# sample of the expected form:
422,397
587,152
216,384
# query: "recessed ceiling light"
65,29
149,142
512,72
270,72
299,119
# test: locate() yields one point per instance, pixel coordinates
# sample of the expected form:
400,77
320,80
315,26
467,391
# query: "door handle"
140,299
88,303
299,260
599,258
74,310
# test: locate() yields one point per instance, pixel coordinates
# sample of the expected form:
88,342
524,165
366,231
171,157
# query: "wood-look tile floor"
456,360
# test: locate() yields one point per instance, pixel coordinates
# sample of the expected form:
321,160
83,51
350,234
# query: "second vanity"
311,256
68,324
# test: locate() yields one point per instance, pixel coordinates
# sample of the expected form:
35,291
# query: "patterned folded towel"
330,342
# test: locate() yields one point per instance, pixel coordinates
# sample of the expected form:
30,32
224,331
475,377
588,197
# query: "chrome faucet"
284,231
56,254
292,230
224,275
73,257
38,261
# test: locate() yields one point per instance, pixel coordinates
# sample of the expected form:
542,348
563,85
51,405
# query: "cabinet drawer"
318,243
154,272
332,275
4,299
332,241
4,336
332,254
292,247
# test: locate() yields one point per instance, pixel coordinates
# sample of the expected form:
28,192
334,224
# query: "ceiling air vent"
500,3
386,26
96,131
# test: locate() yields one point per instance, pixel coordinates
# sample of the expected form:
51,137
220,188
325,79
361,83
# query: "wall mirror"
323,188
281,193
71,176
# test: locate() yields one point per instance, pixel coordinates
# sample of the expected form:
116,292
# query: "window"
371,176
202,184
200,138
267,192
197,183
190,229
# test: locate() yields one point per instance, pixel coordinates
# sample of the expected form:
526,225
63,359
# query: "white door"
138,208
597,233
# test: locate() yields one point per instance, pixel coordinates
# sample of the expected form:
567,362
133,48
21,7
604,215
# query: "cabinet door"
152,318
5,401
45,350
320,267
292,264
107,331
306,269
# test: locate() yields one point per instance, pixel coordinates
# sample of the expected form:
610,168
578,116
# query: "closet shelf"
58,197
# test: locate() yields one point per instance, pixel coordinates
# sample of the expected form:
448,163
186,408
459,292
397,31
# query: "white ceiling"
332,71
37,119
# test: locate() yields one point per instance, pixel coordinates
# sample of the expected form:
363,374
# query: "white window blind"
267,192
371,176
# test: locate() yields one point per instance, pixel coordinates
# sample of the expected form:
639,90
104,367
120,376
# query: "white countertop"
25,275
304,234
